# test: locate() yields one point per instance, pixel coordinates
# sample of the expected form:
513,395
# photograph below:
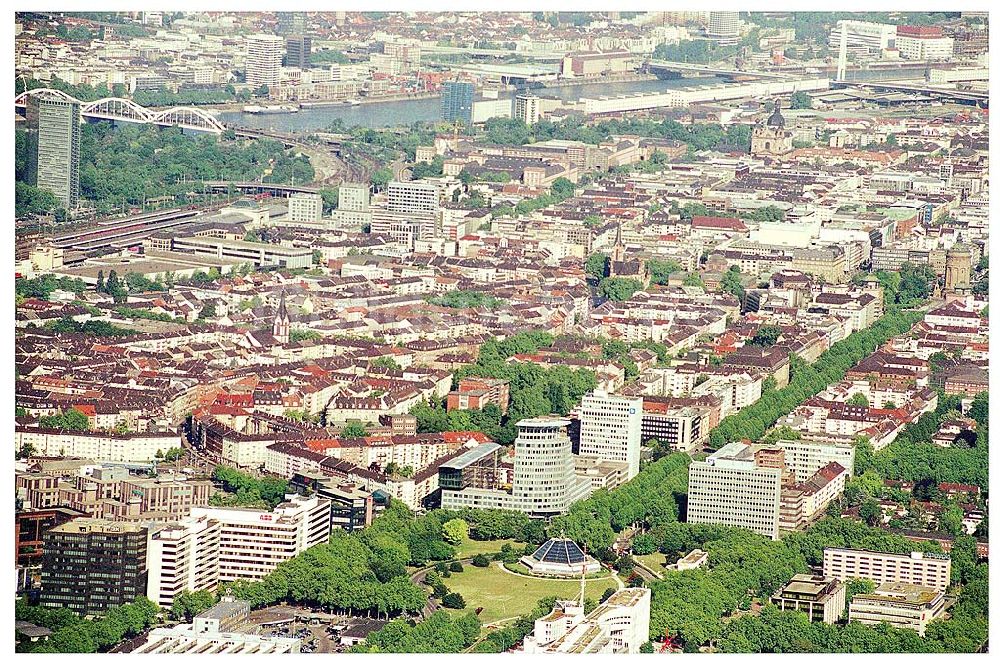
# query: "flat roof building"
730,488
253,542
620,625
821,599
183,555
931,570
901,605
91,566
611,428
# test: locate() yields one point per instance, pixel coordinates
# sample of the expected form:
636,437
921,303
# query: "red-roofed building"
720,223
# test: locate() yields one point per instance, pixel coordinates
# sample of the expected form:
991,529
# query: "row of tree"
360,572
807,380
657,495
71,633
691,605
442,632
250,490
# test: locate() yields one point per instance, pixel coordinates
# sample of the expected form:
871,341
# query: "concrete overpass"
274,189
970,97
667,67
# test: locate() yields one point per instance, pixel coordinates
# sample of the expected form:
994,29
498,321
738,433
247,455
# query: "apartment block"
611,428
477,392
804,458
931,570
263,60
680,428
304,207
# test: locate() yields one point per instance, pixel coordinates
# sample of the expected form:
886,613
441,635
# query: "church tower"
282,324
771,137
958,268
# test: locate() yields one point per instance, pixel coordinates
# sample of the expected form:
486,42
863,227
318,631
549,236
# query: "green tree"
618,289
766,336
871,512
801,100
354,429
453,600
455,531
380,179
597,265
858,400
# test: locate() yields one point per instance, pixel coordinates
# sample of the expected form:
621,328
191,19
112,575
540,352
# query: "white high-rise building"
804,458
528,108
730,488
253,542
264,60
183,555
413,197
724,26
59,149
611,428
354,197
620,625
544,483
305,207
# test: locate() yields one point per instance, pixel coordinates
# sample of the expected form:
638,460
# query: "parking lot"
318,631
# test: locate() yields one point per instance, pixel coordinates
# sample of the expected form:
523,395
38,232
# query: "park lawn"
654,561
503,595
470,548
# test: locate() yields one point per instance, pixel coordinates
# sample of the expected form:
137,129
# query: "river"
403,112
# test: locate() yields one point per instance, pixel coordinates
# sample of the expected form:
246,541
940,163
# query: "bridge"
130,230
274,189
117,109
971,97
665,66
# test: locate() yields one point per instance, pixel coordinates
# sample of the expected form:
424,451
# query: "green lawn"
470,548
654,561
503,595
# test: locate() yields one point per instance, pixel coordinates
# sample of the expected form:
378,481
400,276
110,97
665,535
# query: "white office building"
724,26
354,197
413,197
528,108
253,542
183,555
263,64
936,49
305,207
804,458
611,428
931,570
730,488
545,482
620,625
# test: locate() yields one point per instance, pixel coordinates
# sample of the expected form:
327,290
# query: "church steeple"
282,324
618,251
